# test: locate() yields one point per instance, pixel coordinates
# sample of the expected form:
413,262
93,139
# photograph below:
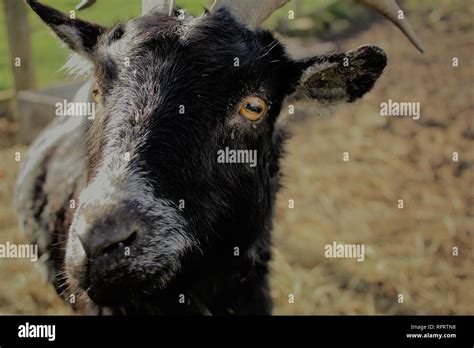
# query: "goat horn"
85,4
391,10
158,6
253,13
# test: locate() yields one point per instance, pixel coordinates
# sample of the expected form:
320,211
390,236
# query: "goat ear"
79,35
337,78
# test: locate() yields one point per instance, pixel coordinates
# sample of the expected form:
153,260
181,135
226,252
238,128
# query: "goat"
132,210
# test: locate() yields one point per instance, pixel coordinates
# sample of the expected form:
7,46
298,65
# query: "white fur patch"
78,66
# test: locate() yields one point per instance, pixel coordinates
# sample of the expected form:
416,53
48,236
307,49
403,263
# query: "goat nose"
105,239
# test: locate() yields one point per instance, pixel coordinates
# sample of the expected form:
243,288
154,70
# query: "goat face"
171,94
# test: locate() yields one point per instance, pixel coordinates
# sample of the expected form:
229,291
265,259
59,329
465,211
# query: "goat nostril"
120,245
110,248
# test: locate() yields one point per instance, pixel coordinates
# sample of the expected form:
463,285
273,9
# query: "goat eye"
96,93
253,108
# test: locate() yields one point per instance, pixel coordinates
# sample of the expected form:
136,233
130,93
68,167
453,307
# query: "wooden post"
298,8
18,34
19,44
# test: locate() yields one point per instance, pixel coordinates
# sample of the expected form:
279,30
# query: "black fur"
226,205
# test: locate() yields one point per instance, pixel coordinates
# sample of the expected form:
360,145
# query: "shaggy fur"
196,231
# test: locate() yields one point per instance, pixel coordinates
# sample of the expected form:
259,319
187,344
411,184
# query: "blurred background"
409,251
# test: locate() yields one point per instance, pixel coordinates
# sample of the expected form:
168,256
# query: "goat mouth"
116,290
101,290
106,294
